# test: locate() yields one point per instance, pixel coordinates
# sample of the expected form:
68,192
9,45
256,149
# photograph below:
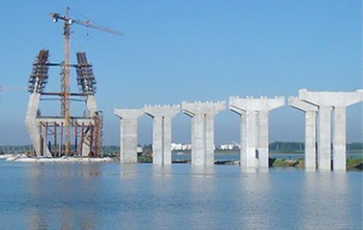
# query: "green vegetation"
299,147
287,163
145,159
352,163
355,164
286,147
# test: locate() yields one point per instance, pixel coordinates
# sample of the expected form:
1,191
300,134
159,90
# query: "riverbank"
25,158
352,164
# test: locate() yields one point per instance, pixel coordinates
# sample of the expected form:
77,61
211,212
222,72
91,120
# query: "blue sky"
176,51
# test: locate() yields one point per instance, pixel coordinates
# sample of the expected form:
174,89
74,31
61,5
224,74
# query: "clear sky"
176,51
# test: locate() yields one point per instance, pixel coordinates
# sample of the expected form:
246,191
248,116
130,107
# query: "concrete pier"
202,131
32,126
328,102
91,110
310,130
254,128
162,116
128,145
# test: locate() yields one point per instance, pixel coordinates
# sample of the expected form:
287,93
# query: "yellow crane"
65,79
3,88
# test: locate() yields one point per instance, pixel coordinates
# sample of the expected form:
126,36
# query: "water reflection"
161,214
254,170
325,201
144,196
202,197
55,195
202,171
256,209
128,170
162,171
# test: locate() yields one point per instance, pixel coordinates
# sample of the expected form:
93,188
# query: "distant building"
180,147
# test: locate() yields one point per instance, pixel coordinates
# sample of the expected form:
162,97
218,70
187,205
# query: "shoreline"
64,159
352,164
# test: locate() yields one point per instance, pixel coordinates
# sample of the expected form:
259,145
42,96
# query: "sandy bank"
24,158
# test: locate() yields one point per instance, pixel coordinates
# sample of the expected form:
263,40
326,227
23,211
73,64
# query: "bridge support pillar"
254,129
310,131
128,145
162,116
202,135
328,102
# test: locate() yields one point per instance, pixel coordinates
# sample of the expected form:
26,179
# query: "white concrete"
328,102
91,107
263,139
254,128
310,131
339,138
64,159
202,130
162,116
32,125
324,139
128,145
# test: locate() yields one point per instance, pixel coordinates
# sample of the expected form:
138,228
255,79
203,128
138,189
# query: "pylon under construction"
51,135
47,133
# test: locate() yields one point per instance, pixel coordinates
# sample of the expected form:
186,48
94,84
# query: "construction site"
63,133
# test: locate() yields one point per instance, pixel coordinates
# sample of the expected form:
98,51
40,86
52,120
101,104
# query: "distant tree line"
278,146
355,146
284,147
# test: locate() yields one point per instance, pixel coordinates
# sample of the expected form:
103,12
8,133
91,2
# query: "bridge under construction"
63,134
47,133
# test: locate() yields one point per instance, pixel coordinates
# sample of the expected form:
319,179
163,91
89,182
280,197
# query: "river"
143,196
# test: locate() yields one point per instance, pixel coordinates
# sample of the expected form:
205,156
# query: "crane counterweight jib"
65,79
70,21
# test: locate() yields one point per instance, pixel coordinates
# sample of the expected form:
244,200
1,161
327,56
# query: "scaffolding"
51,136
86,132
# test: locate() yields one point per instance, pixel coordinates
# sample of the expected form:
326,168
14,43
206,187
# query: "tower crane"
65,78
3,88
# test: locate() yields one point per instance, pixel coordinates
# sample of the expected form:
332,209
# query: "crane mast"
65,75
65,86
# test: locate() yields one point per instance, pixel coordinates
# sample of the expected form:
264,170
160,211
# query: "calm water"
142,196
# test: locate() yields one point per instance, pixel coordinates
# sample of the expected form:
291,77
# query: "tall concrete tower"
47,132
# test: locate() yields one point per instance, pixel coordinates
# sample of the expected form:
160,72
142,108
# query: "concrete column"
251,139
198,142
166,144
32,125
254,147
310,131
202,115
326,101
209,139
128,146
310,141
324,138
91,109
339,139
162,116
243,137
263,139
91,106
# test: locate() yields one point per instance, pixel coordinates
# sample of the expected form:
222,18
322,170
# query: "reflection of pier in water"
56,192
